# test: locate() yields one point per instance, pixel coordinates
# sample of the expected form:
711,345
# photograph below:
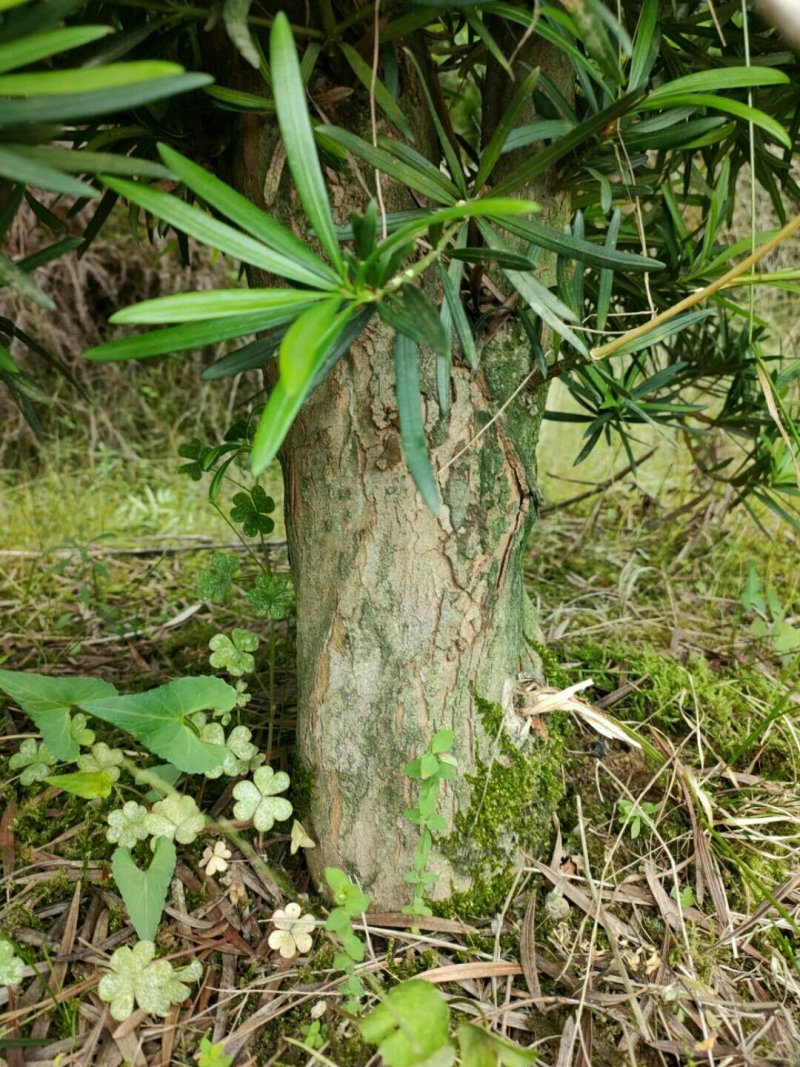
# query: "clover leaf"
232,654
243,756
102,758
11,966
137,979
79,731
126,825
177,818
272,595
252,509
409,1025
195,451
257,801
214,583
34,760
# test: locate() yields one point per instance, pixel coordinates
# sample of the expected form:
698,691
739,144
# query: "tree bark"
409,622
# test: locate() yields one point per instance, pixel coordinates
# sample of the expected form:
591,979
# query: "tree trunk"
409,622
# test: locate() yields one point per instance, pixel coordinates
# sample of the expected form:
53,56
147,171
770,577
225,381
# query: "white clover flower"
215,860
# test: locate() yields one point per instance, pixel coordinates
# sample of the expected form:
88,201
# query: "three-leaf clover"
271,595
214,583
253,509
257,800
195,451
292,933
126,825
211,1055
79,731
232,654
243,756
34,760
11,966
177,818
102,758
137,979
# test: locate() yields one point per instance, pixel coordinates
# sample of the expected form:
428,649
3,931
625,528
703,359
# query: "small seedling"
433,767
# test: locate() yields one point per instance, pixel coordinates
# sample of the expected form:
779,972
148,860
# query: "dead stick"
697,297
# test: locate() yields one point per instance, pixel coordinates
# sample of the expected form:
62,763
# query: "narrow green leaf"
249,357
496,256
81,106
384,99
7,361
145,891
412,427
238,100
298,137
459,317
81,161
467,209
645,45
234,15
537,296
26,50
191,335
18,168
85,79
281,409
210,231
12,274
574,247
491,153
214,303
730,106
409,311
159,719
548,157
448,148
47,700
307,267
307,338
424,179
606,282
90,785
719,78
533,132
666,329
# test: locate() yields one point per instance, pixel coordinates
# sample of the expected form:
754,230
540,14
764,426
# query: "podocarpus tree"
441,208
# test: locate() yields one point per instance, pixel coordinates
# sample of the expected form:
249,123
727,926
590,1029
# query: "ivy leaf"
48,700
214,583
175,818
137,979
87,784
480,1048
272,595
159,719
411,1024
257,800
145,892
252,511
232,654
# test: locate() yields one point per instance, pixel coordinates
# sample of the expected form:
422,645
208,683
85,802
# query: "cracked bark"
400,612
